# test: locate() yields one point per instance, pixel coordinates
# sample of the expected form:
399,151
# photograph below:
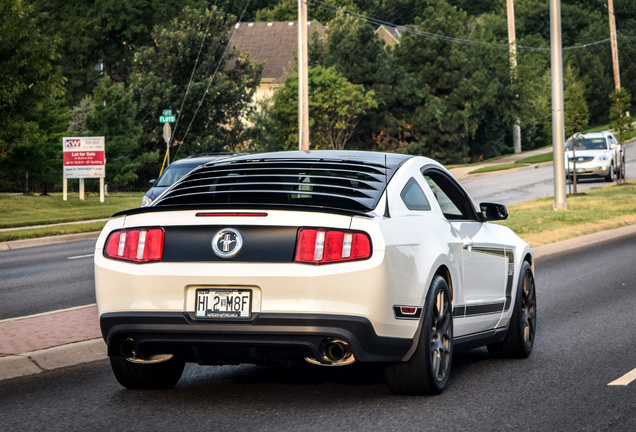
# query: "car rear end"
254,261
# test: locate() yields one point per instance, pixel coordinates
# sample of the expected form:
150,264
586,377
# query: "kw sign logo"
72,143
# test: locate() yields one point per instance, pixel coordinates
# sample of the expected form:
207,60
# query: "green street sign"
167,119
167,112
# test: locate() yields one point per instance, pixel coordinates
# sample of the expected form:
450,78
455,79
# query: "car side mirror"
493,211
152,182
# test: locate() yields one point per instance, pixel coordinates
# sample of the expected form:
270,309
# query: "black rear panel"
260,244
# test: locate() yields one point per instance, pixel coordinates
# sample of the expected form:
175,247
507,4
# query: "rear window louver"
339,184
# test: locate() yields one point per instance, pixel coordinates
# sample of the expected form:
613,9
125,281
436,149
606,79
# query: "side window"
452,199
414,197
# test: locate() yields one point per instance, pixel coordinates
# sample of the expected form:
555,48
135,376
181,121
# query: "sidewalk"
462,172
52,340
37,343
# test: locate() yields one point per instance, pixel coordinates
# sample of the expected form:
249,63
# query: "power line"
227,46
371,20
194,68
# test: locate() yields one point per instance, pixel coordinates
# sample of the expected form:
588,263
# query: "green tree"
211,108
29,78
287,10
248,8
335,109
620,121
113,117
576,113
99,37
356,52
398,12
337,106
36,164
457,98
77,117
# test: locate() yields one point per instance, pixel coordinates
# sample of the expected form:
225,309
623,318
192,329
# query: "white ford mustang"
330,257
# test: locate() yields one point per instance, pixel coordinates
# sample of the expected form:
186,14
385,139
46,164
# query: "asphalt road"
511,187
585,340
44,278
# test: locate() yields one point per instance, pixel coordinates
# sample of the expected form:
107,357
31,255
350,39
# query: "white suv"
595,154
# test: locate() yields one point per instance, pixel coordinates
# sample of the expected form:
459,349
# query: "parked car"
595,154
329,257
175,171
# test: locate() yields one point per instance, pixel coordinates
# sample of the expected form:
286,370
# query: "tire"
428,369
519,341
611,176
623,170
147,376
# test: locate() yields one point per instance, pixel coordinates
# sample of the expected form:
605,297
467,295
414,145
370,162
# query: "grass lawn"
25,211
598,209
540,158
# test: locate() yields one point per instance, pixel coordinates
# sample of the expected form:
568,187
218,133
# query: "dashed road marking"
625,379
80,256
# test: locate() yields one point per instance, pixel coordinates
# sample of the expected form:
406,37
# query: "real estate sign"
84,157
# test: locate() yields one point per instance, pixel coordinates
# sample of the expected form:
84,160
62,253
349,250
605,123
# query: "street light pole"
558,123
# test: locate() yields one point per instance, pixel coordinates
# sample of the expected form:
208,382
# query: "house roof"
274,44
391,34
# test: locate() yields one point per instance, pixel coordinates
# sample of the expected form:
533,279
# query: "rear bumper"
267,338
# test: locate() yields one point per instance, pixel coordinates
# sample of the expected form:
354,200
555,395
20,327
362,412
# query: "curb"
545,251
19,244
34,362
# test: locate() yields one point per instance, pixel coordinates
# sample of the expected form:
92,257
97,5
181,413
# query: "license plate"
223,303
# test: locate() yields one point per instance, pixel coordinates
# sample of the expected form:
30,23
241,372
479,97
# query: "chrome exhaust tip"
128,350
333,352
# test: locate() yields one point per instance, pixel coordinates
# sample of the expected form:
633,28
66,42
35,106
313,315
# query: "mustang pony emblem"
227,243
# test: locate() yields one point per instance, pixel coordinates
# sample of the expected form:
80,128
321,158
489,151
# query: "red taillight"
320,245
138,245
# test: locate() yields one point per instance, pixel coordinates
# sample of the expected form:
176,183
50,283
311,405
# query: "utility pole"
516,129
303,78
558,123
612,23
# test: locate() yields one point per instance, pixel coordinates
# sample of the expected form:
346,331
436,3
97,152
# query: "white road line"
80,256
625,379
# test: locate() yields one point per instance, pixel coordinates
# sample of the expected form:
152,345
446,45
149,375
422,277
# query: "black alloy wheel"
428,369
523,324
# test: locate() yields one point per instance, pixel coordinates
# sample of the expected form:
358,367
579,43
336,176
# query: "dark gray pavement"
52,340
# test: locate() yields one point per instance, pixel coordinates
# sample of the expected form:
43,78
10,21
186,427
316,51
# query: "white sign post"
166,118
84,157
